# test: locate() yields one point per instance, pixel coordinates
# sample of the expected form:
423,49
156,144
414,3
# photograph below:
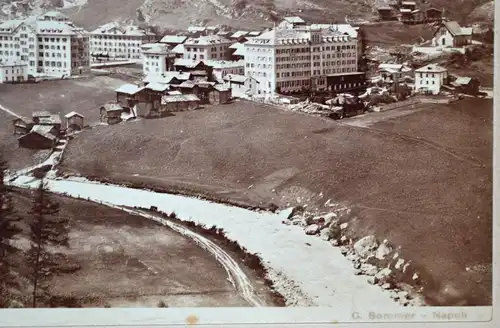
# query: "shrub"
162,304
172,215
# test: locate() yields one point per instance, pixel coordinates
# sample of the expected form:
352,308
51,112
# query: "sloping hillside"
247,14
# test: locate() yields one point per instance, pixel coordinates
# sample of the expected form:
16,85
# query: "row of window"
17,71
193,49
116,44
52,39
119,50
52,47
293,74
122,37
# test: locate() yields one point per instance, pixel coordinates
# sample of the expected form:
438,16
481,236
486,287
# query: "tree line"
45,230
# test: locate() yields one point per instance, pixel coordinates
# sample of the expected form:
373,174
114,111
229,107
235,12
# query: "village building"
385,13
317,57
111,113
221,94
239,36
466,85
394,72
430,78
22,125
40,137
173,40
48,44
451,34
74,121
13,72
125,95
40,114
241,85
170,78
410,5
433,14
197,31
157,59
221,68
179,102
293,22
237,51
405,15
209,47
115,42
179,50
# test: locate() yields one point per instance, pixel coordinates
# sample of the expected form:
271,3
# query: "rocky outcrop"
382,265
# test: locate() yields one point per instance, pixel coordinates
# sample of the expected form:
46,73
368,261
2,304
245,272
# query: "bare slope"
428,190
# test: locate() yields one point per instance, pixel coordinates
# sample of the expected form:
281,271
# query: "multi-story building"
49,44
221,68
430,78
292,57
116,42
11,72
157,59
207,47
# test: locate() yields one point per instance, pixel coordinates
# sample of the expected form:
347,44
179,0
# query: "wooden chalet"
74,121
433,15
111,113
410,5
386,13
221,94
40,137
40,114
466,85
190,66
179,102
125,95
22,125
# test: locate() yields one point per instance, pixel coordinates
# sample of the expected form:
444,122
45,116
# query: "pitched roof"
455,28
225,63
109,107
431,68
193,28
174,92
222,87
235,78
155,86
44,131
173,39
41,113
207,40
128,88
155,48
294,19
178,49
238,34
167,77
462,80
52,119
26,120
117,29
178,98
188,63
71,114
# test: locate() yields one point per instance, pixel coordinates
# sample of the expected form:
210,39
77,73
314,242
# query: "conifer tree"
8,232
47,229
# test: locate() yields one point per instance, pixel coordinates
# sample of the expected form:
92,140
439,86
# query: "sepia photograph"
237,154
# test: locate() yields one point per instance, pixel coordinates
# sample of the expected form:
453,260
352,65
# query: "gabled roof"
128,88
235,78
24,119
225,63
155,86
383,8
463,80
193,28
178,98
207,40
294,19
403,10
167,77
221,87
188,63
454,28
43,131
52,119
173,39
178,49
408,3
174,92
42,113
238,34
111,107
431,68
71,114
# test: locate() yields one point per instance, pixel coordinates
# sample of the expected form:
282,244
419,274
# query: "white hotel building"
292,58
119,42
49,45
207,47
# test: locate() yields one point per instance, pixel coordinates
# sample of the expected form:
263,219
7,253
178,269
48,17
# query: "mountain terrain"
242,14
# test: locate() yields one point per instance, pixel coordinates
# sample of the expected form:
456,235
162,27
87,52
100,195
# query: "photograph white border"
339,316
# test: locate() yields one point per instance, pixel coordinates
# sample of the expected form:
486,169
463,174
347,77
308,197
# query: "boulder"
334,231
357,265
330,217
369,269
372,280
313,229
386,286
352,257
383,250
357,272
286,222
320,220
335,242
344,250
399,264
403,295
405,267
324,234
343,240
366,246
299,222
415,277
343,226
383,274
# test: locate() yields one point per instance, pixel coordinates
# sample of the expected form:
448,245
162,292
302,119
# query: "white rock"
405,267
329,218
399,264
369,269
365,246
372,280
383,274
324,235
334,242
395,256
312,229
403,295
286,222
352,257
343,239
344,250
358,272
318,220
383,250
343,226
299,222
357,265
415,276
386,286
